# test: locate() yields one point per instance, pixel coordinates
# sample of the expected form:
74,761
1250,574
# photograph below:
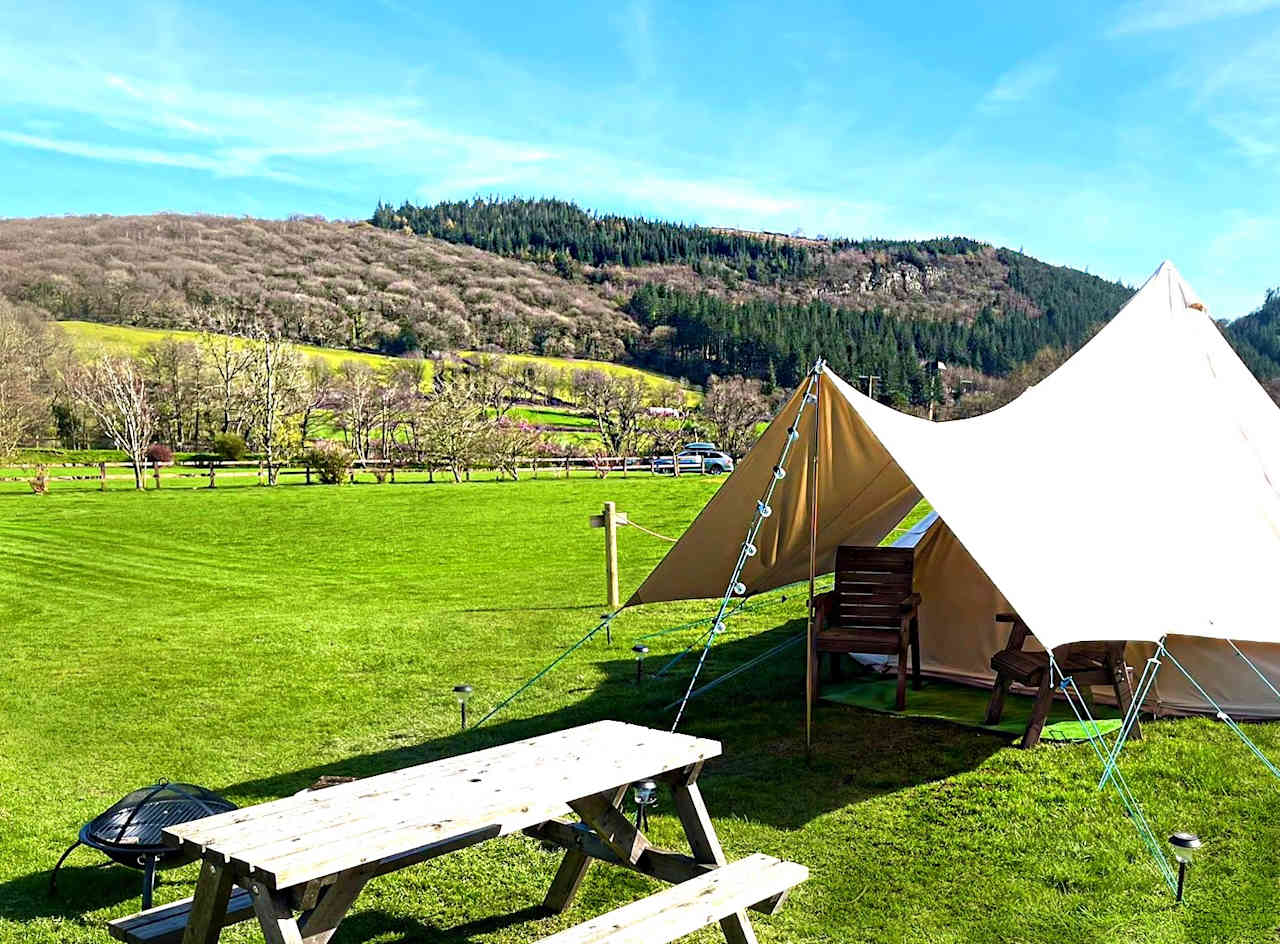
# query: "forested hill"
1256,338
725,301
546,277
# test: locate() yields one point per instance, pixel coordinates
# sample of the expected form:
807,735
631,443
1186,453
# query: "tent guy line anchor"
748,549
1098,742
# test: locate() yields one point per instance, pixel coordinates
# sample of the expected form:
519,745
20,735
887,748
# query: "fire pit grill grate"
130,831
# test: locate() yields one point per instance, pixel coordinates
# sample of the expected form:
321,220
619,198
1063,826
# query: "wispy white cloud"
1020,84
635,24
117,82
219,165
1151,16
1239,97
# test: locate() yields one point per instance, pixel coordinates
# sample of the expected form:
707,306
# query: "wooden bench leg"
705,847
572,870
900,699
209,907
321,922
915,653
275,916
995,707
1039,712
1123,684
815,658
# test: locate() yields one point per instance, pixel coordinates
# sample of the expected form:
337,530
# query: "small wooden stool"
1088,663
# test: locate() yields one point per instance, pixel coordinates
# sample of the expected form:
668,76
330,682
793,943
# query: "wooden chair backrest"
871,583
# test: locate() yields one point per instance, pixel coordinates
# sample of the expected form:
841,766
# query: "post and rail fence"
105,473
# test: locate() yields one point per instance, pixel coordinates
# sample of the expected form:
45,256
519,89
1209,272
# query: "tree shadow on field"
762,776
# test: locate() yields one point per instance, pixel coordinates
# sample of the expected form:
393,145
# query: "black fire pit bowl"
130,832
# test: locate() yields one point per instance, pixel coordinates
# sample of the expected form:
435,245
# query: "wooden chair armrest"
1017,635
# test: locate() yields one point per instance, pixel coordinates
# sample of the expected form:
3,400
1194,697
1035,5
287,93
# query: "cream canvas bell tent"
1130,495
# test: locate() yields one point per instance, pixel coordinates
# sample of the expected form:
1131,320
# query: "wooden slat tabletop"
496,791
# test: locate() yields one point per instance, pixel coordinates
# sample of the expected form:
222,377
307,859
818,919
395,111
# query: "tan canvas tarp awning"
1154,427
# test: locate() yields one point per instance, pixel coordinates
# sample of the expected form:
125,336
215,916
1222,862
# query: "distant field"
88,336
692,397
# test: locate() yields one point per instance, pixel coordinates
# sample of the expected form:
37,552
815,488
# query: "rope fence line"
655,534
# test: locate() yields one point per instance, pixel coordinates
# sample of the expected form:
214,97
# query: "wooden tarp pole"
809,670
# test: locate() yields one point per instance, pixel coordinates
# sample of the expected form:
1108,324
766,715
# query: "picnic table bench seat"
167,923
689,906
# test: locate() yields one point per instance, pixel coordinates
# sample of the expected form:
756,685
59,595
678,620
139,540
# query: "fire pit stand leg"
148,880
53,876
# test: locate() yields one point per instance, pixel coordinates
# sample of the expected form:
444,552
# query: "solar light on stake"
645,794
1184,847
462,693
641,651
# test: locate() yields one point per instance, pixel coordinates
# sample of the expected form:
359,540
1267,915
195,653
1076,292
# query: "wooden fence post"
609,519
102,476
212,474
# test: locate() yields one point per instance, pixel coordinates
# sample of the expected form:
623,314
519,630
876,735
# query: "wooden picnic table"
300,862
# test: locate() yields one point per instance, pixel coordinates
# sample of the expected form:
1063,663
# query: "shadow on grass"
763,774
758,716
81,888
389,927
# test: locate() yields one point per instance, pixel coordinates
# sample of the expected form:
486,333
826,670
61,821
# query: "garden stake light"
645,794
462,693
641,651
1184,847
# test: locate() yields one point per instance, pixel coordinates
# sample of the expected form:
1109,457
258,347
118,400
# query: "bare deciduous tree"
25,382
115,392
223,348
615,402
734,407
453,426
276,377
496,382
359,404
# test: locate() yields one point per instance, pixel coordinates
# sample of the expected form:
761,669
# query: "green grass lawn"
252,639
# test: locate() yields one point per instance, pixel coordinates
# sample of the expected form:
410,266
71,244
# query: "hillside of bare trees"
333,284
548,278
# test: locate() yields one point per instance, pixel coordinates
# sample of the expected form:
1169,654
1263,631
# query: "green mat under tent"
966,705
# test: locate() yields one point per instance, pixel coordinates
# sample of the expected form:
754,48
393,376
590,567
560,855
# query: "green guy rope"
1131,716
1131,806
554,662
1256,670
1227,719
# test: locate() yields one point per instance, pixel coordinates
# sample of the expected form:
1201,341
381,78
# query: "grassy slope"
89,336
253,639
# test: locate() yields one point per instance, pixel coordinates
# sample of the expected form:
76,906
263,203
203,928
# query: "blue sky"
1100,136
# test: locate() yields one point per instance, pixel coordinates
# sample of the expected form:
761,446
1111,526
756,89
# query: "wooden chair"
1088,664
872,609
